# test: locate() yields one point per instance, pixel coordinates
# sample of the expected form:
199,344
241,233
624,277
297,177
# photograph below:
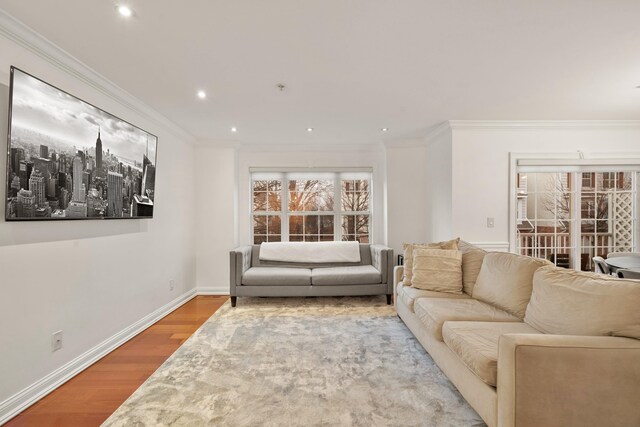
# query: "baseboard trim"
36,391
213,290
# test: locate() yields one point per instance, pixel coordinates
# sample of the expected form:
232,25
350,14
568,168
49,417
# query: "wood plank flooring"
91,396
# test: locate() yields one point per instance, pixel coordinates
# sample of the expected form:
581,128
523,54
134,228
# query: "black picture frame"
73,182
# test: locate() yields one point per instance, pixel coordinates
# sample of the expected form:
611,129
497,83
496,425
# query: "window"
355,202
301,207
267,206
569,224
612,180
311,216
588,180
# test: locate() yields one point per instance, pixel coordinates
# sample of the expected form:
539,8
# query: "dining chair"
619,254
629,274
601,265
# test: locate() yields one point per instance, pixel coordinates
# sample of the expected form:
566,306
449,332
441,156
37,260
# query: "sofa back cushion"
408,255
365,259
437,270
506,280
568,302
472,257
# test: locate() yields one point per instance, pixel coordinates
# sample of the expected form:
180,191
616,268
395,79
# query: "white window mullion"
576,223
284,208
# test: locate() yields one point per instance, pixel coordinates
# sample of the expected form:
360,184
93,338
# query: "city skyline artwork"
68,159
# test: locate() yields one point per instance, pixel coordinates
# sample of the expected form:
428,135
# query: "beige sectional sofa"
529,344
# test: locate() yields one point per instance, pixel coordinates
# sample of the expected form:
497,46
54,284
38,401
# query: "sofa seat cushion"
353,275
476,344
276,276
408,295
433,312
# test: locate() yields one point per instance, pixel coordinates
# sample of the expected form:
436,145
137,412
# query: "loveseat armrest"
567,380
240,261
382,260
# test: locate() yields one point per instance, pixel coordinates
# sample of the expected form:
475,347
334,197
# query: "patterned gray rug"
299,362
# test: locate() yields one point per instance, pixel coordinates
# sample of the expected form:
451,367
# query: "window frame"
337,176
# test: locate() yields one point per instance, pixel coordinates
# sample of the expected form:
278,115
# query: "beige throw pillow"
438,270
506,280
568,302
408,255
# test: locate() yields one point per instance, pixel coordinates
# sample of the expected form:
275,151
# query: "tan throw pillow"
506,280
408,255
569,302
438,270
471,265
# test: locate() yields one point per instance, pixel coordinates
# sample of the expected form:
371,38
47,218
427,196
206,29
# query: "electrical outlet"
56,341
491,222
172,284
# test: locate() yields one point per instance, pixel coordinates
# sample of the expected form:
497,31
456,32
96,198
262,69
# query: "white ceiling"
355,66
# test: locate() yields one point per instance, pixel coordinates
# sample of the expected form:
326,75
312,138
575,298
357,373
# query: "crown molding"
543,124
24,36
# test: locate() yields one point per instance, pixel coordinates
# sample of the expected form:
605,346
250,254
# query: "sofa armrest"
398,272
382,260
240,261
566,380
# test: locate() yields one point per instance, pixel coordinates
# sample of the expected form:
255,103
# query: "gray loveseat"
250,276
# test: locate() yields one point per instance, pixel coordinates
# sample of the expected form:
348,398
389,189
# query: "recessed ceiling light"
384,129
125,11
309,129
202,94
234,129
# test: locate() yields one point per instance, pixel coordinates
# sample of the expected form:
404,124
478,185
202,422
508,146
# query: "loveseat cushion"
506,280
408,295
433,312
476,344
568,302
354,275
276,276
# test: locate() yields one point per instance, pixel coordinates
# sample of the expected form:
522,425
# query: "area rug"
299,362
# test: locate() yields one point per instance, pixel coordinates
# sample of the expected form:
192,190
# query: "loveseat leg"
233,301
388,299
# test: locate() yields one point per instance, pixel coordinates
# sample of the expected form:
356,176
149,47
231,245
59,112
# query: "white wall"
407,202
216,215
439,187
480,166
90,279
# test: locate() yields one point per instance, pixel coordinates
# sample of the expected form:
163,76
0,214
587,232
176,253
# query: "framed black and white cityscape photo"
68,159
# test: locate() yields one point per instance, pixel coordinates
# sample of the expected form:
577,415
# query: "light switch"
491,222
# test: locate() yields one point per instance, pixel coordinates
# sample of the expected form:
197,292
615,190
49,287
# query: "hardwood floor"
91,396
